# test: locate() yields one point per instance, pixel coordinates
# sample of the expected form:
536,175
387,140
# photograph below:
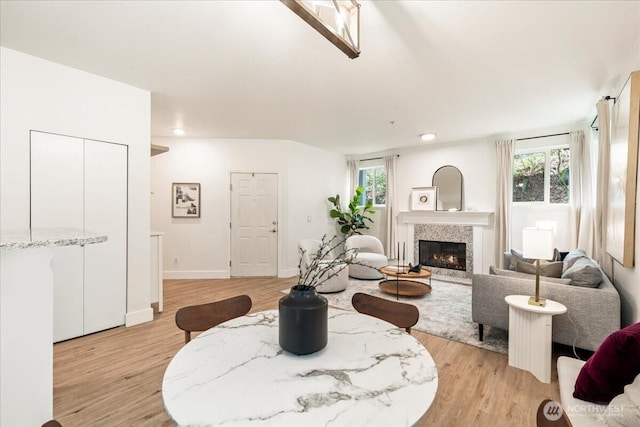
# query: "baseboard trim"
289,272
196,274
213,274
137,317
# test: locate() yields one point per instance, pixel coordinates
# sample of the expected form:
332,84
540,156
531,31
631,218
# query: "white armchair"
309,250
369,259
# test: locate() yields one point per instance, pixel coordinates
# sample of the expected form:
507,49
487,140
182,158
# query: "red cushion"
615,364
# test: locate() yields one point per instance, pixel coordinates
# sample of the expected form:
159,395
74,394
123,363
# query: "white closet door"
57,201
105,264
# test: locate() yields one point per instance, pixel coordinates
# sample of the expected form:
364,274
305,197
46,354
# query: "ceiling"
253,69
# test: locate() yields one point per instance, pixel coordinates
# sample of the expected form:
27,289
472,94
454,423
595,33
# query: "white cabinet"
81,183
57,173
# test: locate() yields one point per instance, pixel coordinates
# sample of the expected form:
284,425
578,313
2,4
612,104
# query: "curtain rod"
543,136
374,158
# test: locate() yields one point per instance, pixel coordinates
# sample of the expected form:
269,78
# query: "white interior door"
254,224
105,211
57,186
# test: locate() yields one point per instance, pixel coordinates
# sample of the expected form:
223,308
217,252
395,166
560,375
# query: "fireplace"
448,255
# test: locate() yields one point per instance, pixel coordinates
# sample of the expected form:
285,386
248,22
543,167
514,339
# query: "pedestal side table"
530,335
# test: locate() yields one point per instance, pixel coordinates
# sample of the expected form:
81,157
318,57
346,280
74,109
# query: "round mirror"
448,181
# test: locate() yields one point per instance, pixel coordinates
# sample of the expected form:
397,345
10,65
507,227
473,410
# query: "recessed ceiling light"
428,136
178,131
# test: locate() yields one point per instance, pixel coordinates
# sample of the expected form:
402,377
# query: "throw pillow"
509,273
572,256
624,409
517,255
583,272
549,269
611,367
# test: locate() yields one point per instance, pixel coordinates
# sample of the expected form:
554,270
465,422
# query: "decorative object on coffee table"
415,268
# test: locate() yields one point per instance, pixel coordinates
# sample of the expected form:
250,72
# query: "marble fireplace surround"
461,226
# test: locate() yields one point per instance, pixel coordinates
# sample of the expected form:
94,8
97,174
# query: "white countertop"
369,374
34,238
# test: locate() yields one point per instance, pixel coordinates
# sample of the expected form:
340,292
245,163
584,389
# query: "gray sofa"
592,313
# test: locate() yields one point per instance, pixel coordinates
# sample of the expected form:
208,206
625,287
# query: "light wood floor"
114,378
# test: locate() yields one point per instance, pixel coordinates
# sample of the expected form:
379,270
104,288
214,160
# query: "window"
374,181
542,176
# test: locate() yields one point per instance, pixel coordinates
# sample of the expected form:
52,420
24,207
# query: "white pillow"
624,409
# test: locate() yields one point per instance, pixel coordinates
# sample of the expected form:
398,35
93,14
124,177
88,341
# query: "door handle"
274,230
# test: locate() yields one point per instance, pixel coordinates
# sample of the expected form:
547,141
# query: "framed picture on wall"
185,202
623,168
423,199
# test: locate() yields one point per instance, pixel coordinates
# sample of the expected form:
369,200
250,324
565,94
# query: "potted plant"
353,220
303,313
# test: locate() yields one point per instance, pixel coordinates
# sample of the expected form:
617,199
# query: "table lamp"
537,243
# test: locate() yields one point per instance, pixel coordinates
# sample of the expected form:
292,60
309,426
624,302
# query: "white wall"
476,160
45,96
306,177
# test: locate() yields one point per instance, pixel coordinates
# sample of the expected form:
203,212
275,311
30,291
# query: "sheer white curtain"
602,193
390,163
581,196
354,169
504,197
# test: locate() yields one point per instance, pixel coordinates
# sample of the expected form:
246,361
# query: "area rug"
445,312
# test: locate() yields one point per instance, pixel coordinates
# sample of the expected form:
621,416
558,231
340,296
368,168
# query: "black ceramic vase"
303,321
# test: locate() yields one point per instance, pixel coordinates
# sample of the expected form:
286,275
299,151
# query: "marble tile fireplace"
450,243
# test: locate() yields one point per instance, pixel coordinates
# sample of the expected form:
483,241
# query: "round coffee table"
405,282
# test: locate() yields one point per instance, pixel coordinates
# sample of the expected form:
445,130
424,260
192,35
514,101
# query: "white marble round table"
369,374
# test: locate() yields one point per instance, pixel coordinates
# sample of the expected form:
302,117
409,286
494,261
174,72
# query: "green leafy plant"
354,219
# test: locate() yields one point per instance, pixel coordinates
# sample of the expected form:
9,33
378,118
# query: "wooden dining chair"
400,314
195,318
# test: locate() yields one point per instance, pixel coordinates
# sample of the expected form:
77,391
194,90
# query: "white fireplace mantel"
473,218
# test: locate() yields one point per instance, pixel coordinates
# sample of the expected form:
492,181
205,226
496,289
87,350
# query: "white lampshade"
537,243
